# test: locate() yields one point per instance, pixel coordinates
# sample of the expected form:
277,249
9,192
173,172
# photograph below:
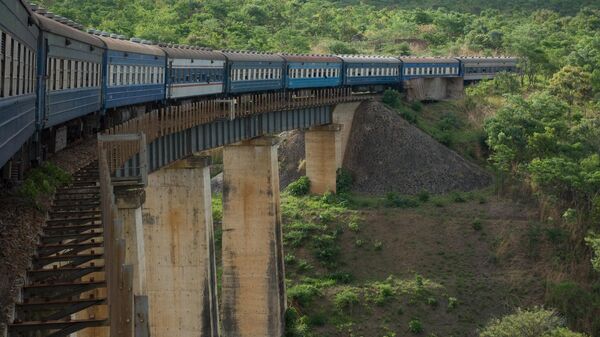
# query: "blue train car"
370,71
312,71
133,72
251,72
18,62
481,68
429,67
71,73
193,71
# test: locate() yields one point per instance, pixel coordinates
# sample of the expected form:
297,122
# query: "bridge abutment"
253,273
179,249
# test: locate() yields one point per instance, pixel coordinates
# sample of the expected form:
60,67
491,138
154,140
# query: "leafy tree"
572,84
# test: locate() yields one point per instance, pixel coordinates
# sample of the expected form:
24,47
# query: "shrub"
391,97
423,196
326,248
537,322
415,326
458,197
342,277
303,294
289,259
304,265
299,187
344,181
417,106
378,245
346,298
432,301
452,303
43,181
570,299
383,292
477,225
359,243
393,199
354,226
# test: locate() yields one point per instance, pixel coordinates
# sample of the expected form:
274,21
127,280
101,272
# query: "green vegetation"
299,187
43,181
536,322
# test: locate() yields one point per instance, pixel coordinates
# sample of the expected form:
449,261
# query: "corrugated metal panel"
311,58
128,46
61,29
191,53
409,60
250,56
368,59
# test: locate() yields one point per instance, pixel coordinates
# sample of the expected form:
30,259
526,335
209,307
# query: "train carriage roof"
368,59
129,46
478,59
187,52
430,60
58,28
251,57
312,58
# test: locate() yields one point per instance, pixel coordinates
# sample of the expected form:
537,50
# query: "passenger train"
58,81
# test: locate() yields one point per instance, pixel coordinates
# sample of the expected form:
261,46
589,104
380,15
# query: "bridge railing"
168,120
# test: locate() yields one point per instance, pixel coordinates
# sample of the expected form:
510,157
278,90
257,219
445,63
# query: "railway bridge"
158,275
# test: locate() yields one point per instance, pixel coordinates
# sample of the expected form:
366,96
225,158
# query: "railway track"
65,289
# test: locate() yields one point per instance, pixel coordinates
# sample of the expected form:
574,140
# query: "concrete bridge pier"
129,201
179,249
253,274
322,157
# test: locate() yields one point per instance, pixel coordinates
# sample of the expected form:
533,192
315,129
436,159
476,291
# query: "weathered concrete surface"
434,89
180,260
253,275
323,150
343,114
129,203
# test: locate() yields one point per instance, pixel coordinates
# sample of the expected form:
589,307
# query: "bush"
477,225
571,300
299,187
423,196
346,298
395,200
303,294
378,245
391,97
344,181
452,303
43,181
537,322
415,326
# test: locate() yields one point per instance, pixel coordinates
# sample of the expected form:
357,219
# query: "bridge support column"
129,201
253,274
179,248
322,153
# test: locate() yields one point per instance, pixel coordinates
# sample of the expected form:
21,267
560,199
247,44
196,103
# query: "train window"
75,74
2,62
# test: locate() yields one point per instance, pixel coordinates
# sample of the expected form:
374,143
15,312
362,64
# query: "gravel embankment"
387,154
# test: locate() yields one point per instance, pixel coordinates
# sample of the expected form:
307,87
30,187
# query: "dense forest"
541,129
